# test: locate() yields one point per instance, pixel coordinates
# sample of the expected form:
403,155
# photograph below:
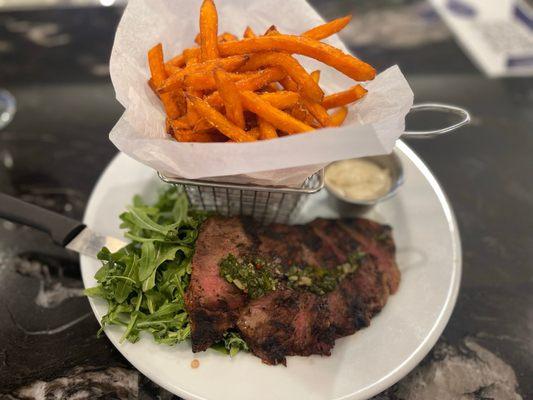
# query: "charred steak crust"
286,321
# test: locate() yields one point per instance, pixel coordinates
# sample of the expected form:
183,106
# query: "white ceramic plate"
361,365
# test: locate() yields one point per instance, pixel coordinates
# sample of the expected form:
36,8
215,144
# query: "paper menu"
496,34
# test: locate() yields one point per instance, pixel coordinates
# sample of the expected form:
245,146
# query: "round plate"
361,365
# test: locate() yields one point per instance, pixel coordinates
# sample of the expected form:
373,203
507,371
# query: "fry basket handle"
444,108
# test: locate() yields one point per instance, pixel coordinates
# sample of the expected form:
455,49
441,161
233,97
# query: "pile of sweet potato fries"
226,89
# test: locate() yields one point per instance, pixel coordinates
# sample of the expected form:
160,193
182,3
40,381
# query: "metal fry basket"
266,204
277,203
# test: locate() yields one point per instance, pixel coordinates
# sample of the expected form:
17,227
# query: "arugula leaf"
148,257
138,216
231,344
180,208
96,291
145,282
125,284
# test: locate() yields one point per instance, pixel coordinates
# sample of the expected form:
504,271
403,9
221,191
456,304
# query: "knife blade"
65,231
89,243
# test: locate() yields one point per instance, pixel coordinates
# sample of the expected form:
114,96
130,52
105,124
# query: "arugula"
144,283
231,344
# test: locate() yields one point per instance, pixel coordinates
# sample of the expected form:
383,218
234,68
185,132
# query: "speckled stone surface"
55,64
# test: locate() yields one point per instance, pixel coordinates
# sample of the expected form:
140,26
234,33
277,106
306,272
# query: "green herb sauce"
256,276
251,275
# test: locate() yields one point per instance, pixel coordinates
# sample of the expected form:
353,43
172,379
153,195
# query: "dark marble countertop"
55,64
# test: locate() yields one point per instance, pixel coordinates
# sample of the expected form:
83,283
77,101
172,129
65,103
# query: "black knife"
64,231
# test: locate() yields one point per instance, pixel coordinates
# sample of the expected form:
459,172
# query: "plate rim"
453,292
416,356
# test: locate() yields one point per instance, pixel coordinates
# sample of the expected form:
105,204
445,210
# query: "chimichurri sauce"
257,276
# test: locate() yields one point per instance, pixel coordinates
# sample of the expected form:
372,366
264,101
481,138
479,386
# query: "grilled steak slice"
376,240
213,303
361,295
296,245
287,321
357,298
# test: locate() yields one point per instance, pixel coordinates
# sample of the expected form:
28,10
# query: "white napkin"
372,126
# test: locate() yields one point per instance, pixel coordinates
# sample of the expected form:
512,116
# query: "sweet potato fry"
172,65
272,87
192,117
345,97
201,137
227,37
306,85
249,33
191,56
157,67
317,111
254,132
263,77
281,99
194,92
320,32
266,130
177,61
184,123
301,113
288,84
230,96
314,108
345,63
202,125
268,112
176,81
338,117
180,123
171,70
191,121
202,81
272,30
159,74
224,37
208,31
178,97
316,75
330,28
219,121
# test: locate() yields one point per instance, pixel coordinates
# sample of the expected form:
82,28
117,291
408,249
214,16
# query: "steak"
212,303
290,321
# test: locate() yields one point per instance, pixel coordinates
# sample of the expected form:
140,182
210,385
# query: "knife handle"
60,228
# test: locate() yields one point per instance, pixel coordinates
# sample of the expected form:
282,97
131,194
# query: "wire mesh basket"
266,204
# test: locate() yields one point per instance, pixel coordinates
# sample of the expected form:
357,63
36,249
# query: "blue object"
524,61
462,8
524,13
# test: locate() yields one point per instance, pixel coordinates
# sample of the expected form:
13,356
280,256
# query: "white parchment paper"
372,126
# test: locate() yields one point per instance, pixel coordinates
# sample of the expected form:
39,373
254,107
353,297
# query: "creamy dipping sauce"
358,179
